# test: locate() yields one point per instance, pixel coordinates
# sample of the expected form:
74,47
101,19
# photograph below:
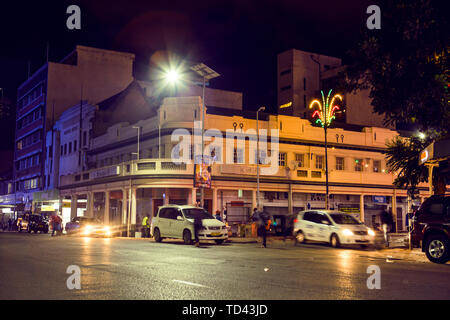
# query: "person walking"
386,222
262,222
146,227
197,226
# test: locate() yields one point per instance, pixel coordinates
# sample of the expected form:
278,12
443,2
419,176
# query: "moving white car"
177,221
334,227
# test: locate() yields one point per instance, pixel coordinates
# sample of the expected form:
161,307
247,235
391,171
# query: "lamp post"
207,74
325,130
257,157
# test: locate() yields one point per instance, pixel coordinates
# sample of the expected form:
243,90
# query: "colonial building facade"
119,187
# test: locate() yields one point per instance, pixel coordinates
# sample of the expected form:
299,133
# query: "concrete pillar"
133,205
214,201
290,201
90,204
124,206
394,210
73,206
166,198
361,206
106,214
254,204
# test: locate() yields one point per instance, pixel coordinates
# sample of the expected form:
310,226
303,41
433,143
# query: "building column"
361,206
254,204
124,206
214,200
73,206
290,202
106,214
166,197
133,206
394,210
90,204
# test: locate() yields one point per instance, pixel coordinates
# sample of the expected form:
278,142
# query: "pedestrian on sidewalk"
146,227
197,226
386,222
263,223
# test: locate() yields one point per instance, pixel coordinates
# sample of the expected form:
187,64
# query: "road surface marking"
190,283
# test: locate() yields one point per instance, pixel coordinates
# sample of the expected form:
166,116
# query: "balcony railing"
166,167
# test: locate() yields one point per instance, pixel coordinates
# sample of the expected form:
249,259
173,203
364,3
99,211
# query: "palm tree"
402,156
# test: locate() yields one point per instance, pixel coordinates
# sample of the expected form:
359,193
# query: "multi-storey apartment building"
85,74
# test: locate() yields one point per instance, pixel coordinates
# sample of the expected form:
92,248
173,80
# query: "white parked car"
177,221
334,227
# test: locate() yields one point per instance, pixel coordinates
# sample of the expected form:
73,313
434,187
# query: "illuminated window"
358,164
319,162
339,163
376,165
282,159
300,159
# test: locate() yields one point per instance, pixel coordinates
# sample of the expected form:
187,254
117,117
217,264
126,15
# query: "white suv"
177,221
333,227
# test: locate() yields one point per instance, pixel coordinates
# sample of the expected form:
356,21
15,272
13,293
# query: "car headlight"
371,232
106,229
347,232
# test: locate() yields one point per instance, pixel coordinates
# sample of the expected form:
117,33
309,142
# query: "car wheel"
300,237
187,237
157,235
334,241
19,228
437,249
220,241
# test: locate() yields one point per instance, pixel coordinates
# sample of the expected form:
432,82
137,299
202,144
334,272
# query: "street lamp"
257,157
207,74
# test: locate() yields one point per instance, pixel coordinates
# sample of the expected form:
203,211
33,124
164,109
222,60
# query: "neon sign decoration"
326,109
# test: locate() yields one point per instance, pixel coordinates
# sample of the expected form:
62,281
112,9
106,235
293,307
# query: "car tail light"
295,220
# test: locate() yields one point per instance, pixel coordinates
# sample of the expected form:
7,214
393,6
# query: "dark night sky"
240,39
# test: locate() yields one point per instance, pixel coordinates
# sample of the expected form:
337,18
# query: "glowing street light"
172,76
421,135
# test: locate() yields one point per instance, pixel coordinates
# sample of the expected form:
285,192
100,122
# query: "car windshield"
197,213
36,218
341,218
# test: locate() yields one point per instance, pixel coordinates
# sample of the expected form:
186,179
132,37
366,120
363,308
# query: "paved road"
34,267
